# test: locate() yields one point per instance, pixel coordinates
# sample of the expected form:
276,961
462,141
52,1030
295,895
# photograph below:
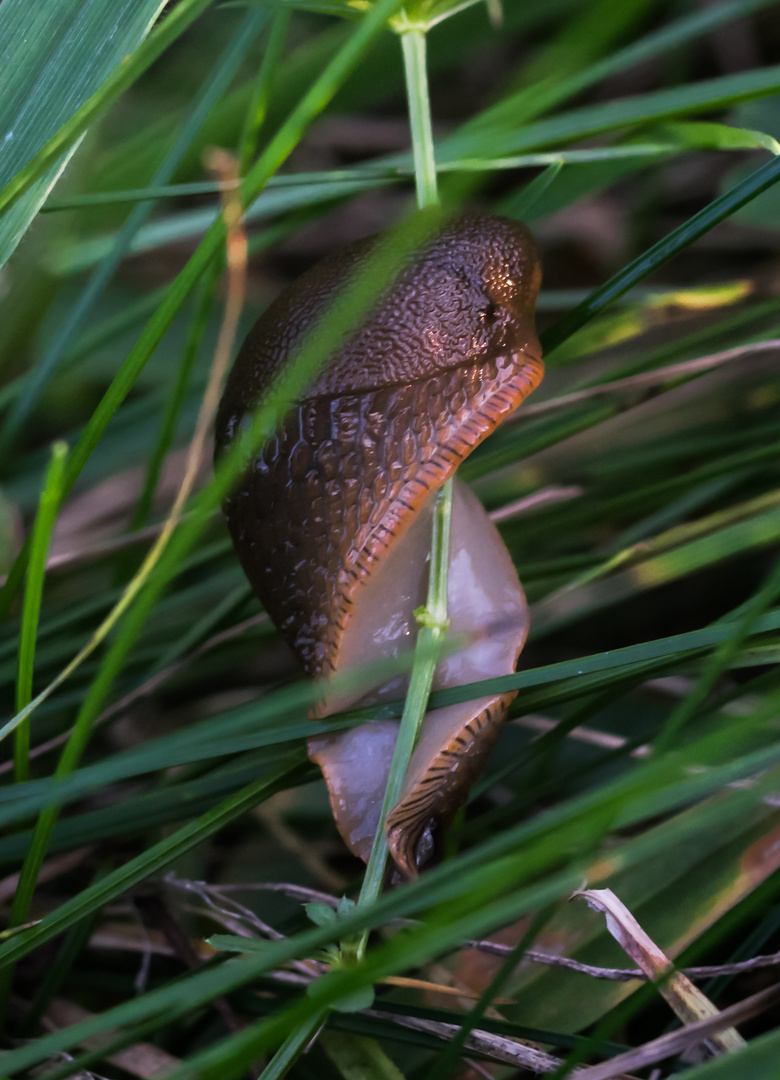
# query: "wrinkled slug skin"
331,521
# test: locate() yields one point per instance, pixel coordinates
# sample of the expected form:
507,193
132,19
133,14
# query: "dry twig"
677,1042
493,948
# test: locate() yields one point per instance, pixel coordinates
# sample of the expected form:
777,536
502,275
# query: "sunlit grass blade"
704,96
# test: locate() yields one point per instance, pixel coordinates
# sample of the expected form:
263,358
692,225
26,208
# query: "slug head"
467,295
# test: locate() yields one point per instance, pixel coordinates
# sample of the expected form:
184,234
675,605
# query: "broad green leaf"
318,913
54,54
118,79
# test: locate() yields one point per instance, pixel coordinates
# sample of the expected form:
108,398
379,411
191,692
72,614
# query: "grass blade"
224,70
283,143
55,54
39,548
677,240
121,77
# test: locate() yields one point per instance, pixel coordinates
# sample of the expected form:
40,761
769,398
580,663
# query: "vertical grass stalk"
433,625
39,549
433,619
413,46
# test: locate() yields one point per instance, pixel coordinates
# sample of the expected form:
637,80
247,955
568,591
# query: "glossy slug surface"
345,488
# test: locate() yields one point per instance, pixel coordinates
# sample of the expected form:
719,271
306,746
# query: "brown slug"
332,520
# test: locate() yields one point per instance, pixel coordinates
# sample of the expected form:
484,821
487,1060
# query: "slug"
332,520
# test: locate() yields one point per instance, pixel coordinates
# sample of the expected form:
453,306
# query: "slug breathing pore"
332,519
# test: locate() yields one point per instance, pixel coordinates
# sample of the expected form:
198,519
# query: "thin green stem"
423,668
424,664
39,548
434,619
413,44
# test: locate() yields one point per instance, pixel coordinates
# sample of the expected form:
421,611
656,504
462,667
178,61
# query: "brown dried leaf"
685,999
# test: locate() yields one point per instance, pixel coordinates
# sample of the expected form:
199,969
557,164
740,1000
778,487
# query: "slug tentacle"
332,520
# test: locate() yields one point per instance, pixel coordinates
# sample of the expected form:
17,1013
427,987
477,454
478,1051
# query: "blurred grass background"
639,495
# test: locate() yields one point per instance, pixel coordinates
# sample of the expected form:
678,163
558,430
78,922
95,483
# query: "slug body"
332,521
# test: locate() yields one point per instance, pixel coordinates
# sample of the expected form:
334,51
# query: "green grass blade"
53,56
214,86
280,147
39,548
121,77
413,43
413,46
551,90
175,398
258,104
705,96
677,240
